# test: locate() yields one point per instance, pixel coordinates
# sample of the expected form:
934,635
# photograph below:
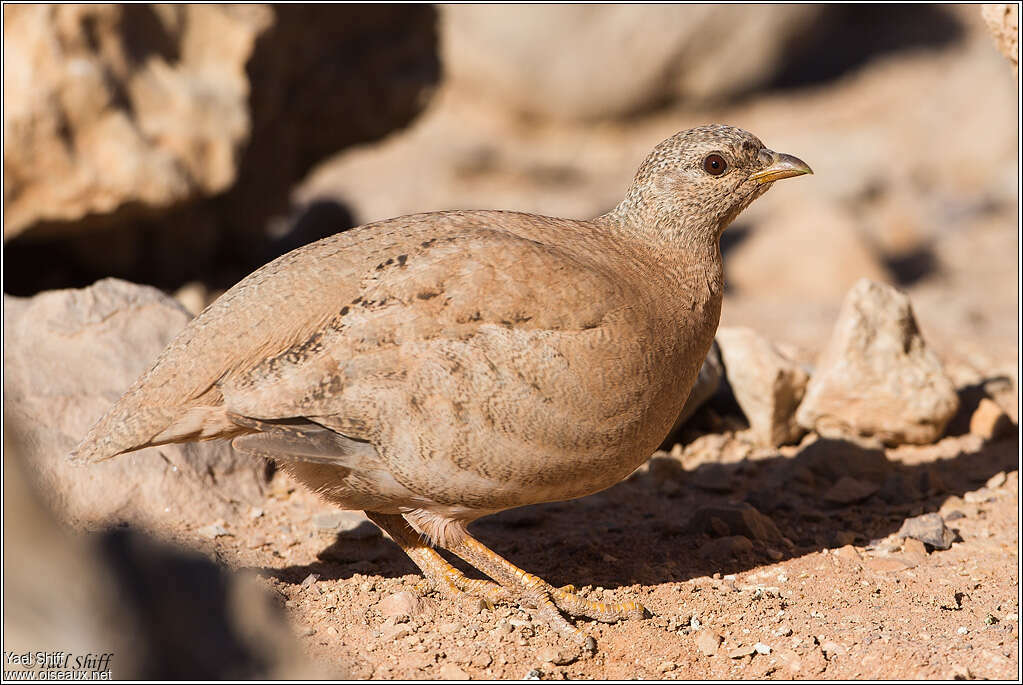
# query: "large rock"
1003,21
595,61
163,612
877,379
181,130
707,382
734,519
767,385
115,108
68,355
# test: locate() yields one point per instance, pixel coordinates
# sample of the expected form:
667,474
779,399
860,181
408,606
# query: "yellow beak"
781,166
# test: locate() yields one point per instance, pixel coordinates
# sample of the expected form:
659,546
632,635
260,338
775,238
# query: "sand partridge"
436,368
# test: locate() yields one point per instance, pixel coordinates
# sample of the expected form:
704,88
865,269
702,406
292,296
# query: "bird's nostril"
767,156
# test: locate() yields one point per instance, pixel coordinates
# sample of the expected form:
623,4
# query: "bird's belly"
507,434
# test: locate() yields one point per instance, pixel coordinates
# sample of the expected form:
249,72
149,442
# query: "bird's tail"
126,428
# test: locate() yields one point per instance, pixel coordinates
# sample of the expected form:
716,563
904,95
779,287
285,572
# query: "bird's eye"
714,164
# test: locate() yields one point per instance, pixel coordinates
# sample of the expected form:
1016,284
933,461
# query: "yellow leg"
444,577
513,584
545,597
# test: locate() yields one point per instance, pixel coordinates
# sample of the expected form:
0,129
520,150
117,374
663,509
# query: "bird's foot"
472,594
513,584
571,603
549,601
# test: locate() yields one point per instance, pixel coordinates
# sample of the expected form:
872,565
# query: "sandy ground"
754,563
834,592
837,595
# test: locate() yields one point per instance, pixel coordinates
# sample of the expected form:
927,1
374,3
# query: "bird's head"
695,183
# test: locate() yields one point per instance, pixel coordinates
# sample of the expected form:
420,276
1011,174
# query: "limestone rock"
109,107
109,592
707,382
877,379
181,130
68,355
1003,21
401,604
990,422
929,529
741,519
767,385
597,61
849,490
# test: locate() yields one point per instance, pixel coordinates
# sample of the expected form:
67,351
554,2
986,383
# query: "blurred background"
184,146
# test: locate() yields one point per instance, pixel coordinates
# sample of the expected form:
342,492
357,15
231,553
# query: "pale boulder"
767,385
1003,21
68,355
877,379
111,108
602,61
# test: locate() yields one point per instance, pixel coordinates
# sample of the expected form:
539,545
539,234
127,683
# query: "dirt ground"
837,595
754,563
832,592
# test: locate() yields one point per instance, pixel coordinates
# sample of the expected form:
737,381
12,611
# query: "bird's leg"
443,576
546,598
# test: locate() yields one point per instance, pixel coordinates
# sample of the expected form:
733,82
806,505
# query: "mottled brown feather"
491,359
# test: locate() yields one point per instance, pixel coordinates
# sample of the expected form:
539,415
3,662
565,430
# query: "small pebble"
401,604
482,660
740,652
996,481
929,529
449,627
914,549
963,630
979,496
532,674
761,648
707,642
450,671
213,530
832,649
989,421
558,656
310,579
848,552
667,666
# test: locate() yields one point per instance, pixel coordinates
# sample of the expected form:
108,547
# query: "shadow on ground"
643,530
